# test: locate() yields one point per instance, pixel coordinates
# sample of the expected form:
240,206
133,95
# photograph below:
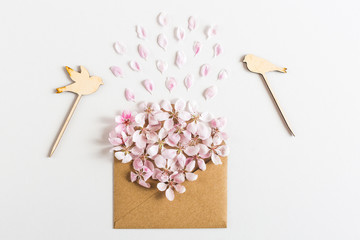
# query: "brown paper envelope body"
203,205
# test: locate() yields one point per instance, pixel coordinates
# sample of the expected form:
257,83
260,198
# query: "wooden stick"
277,106
65,125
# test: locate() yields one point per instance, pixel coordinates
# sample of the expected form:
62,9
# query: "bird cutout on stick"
262,66
83,85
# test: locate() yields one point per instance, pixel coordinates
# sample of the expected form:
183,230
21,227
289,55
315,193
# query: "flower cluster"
167,143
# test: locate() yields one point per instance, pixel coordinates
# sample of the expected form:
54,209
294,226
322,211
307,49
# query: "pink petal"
210,92
149,85
204,70
161,66
153,150
137,164
191,176
215,159
179,33
119,48
160,161
188,81
117,71
180,105
162,41
170,83
133,176
192,150
192,23
169,153
223,74
135,66
202,165
211,31
180,59
204,131
197,47
217,49
162,186
144,184
129,95
180,188
190,167
166,105
170,194
163,19
143,52
141,32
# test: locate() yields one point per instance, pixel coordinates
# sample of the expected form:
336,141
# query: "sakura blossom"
168,143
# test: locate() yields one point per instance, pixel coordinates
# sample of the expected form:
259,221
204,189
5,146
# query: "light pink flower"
169,187
123,152
125,122
217,125
143,171
170,114
185,171
216,150
149,113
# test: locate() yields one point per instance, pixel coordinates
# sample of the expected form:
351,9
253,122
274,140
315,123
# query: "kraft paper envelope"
203,205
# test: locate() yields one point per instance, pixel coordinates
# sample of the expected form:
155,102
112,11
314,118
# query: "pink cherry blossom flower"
149,113
172,115
217,126
216,149
185,171
123,151
169,187
125,122
143,171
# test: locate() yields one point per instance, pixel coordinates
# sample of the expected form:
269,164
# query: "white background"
279,187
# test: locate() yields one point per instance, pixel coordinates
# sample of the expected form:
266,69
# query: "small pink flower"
143,171
216,150
125,122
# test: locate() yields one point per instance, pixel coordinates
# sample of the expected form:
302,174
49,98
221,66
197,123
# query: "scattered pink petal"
223,74
119,48
197,47
163,19
117,71
141,32
180,59
211,31
143,51
161,65
179,33
189,80
135,66
210,92
217,49
204,70
162,41
129,95
192,23
170,83
149,85
169,193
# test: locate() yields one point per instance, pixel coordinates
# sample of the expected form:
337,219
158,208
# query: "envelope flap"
127,195
203,205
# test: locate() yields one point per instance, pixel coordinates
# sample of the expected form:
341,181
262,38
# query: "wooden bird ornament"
83,85
262,66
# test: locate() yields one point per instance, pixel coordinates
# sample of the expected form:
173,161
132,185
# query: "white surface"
279,187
